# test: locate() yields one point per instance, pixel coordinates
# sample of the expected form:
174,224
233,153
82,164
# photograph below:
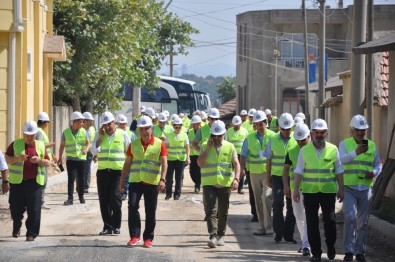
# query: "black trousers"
75,171
194,171
176,167
251,195
312,203
26,196
110,198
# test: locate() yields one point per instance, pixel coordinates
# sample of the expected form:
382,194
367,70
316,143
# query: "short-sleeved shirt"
163,149
3,163
29,169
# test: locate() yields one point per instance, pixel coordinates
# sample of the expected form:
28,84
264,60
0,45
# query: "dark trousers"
110,197
241,182
282,227
75,170
176,167
251,195
26,196
87,170
312,203
150,193
194,171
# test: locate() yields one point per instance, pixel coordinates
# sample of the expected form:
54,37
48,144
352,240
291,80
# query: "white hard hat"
301,131
43,116
218,128
76,115
213,113
286,121
243,112
166,113
251,112
30,127
197,112
204,115
162,117
142,109
301,115
121,118
177,121
106,117
88,116
268,111
173,116
149,111
359,122
319,124
196,119
298,120
236,120
181,115
259,116
144,121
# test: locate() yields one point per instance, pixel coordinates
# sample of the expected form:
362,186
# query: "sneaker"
43,206
306,252
105,232
86,190
68,202
348,256
221,241
116,231
212,242
241,192
16,233
278,238
290,240
360,257
134,241
197,190
331,252
167,197
82,200
147,243
176,197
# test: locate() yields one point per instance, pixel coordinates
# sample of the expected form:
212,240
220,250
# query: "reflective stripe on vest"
293,154
237,138
112,153
16,169
191,136
218,167
46,141
176,147
279,151
319,174
355,171
257,164
75,144
146,165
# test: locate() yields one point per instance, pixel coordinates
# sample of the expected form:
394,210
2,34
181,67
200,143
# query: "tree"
110,42
227,89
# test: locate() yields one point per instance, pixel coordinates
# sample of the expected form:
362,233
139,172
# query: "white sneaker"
221,241
212,242
45,207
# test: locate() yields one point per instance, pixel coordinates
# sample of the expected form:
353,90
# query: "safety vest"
191,136
273,124
237,138
257,164
46,141
205,132
75,144
159,133
92,134
279,151
247,125
129,132
186,122
218,167
176,147
146,165
112,153
16,169
319,174
293,154
354,172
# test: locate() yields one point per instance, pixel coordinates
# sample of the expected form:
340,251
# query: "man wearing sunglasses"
302,137
321,173
146,158
275,152
361,162
216,159
252,149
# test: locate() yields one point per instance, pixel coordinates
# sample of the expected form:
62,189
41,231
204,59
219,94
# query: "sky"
215,46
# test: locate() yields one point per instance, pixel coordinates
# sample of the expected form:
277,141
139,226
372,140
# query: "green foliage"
227,89
110,42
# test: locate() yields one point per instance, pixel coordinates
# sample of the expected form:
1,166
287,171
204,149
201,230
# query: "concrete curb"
384,228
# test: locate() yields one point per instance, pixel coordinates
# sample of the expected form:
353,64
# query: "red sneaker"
134,241
148,243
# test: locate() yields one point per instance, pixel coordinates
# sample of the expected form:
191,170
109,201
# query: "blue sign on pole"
312,68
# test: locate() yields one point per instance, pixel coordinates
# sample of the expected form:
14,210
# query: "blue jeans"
87,170
356,217
150,192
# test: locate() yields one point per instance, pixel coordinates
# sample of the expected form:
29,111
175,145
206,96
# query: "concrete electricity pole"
369,71
306,66
321,78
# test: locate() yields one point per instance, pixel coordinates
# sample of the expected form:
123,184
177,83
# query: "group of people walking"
283,161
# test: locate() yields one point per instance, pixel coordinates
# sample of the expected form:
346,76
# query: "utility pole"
306,66
369,71
276,54
321,78
358,60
